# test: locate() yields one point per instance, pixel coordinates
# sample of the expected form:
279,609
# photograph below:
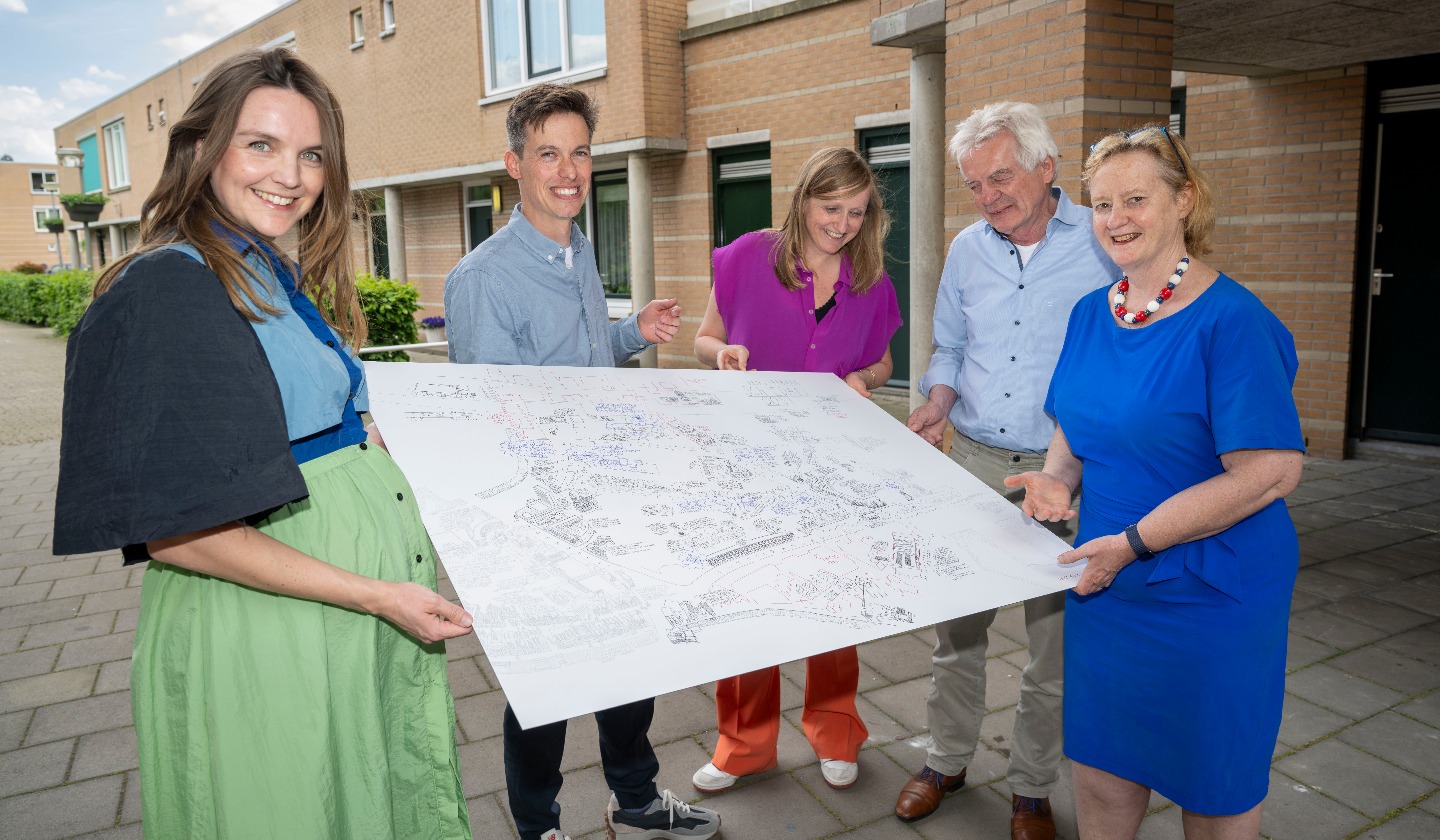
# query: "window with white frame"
43,213
116,156
387,17
528,40
357,28
44,181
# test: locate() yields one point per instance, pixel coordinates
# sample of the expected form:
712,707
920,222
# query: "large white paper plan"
622,533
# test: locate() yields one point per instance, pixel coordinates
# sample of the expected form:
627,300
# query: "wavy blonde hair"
834,172
184,208
1177,169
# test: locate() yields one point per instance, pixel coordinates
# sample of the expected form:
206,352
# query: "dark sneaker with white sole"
667,818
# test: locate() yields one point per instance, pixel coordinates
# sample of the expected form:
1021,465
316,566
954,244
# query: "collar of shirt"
542,246
1066,213
808,277
282,268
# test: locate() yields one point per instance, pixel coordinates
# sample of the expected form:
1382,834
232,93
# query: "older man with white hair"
1005,296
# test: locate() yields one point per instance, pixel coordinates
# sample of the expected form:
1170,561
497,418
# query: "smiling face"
830,222
1015,201
271,173
554,174
1139,220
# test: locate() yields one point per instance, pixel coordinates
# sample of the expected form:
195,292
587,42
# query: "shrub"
64,298
390,307
28,267
55,300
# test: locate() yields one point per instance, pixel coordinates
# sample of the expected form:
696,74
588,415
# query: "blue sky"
60,57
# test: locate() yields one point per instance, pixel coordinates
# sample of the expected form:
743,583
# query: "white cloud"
77,89
109,75
22,111
205,21
13,6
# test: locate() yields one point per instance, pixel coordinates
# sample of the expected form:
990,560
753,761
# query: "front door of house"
1398,283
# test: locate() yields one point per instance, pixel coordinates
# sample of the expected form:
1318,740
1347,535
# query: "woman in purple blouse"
811,297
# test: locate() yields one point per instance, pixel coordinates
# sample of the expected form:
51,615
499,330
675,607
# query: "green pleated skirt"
265,716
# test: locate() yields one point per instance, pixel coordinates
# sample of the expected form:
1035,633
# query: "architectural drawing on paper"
587,516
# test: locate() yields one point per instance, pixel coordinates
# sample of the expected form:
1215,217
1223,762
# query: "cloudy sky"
60,57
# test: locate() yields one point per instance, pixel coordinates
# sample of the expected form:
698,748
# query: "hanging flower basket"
55,224
84,208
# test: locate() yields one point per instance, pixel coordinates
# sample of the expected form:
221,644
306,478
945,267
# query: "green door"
888,151
742,192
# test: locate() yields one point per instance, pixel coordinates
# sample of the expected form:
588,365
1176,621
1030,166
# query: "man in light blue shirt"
531,295
1005,297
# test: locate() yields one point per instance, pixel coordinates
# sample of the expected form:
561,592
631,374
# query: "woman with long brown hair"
289,671
811,297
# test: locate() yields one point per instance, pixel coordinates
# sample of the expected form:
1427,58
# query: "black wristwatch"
1137,545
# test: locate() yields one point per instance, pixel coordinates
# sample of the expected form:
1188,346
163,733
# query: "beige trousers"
957,692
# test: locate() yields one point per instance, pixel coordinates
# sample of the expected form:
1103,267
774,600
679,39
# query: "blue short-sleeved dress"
1175,673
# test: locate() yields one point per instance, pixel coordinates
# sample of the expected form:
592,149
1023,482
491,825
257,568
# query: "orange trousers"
748,710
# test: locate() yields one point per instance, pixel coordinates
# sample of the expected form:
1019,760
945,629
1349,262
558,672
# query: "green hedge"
390,307
58,300
48,300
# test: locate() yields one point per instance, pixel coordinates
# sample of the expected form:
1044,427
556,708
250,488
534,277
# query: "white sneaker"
665,818
839,774
711,779
554,834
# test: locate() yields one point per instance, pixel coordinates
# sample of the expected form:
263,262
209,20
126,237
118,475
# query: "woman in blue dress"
289,674
1173,402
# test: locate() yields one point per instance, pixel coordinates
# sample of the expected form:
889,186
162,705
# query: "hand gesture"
1047,498
857,381
1107,555
423,614
928,421
732,357
659,321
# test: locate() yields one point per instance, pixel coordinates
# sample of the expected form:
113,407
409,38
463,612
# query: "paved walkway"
1358,756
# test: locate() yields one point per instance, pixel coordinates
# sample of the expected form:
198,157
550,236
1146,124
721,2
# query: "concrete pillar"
395,232
72,237
90,234
642,241
927,202
113,251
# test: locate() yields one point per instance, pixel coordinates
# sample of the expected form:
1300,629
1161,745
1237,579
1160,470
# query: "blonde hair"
1177,169
184,208
834,172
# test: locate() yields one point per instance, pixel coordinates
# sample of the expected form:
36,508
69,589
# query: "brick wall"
804,77
1092,66
18,240
1284,154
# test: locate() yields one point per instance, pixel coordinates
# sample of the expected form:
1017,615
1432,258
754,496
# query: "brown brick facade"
1284,150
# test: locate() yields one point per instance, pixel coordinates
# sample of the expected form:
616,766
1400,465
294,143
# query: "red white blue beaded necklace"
1150,308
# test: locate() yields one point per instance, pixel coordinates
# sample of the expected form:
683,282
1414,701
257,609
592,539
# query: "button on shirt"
515,301
1000,324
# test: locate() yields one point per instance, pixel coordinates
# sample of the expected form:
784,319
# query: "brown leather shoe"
1030,819
922,794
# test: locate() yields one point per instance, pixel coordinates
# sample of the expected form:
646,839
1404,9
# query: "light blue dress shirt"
514,301
315,386
999,325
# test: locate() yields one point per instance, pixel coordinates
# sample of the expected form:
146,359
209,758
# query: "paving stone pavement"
1358,755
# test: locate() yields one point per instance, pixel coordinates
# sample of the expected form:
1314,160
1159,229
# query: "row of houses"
710,106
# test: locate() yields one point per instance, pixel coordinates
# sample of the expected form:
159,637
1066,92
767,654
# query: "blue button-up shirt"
999,325
514,301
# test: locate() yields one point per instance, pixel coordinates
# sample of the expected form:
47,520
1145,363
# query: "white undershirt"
1026,251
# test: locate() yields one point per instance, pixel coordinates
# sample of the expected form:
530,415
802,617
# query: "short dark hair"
536,105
